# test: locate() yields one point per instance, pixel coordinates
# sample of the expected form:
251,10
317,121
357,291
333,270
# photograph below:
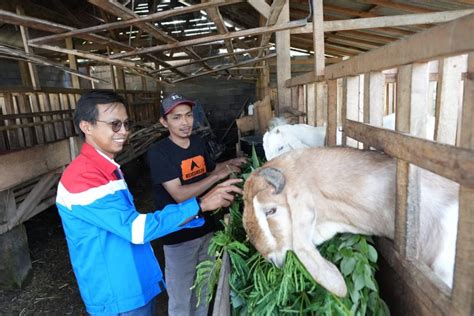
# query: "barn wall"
221,99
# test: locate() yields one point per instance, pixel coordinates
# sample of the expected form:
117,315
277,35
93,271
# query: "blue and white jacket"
108,240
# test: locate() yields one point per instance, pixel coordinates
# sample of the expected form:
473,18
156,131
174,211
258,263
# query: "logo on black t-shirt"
193,167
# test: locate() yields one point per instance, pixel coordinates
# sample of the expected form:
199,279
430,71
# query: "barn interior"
339,64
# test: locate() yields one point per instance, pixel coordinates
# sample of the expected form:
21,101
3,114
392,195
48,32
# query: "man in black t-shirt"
181,168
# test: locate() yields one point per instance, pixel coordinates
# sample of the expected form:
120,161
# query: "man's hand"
237,162
222,195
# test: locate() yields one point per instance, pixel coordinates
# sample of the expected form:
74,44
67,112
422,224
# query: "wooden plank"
308,77
20,166
87,55
45,107
56,105
386,21
448,98
261,6
332,113
23,107
67,124
39,131
450,162
463,288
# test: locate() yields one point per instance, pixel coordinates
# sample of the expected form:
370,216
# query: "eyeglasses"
117,125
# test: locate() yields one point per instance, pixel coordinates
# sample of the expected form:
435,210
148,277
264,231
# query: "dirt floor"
52,288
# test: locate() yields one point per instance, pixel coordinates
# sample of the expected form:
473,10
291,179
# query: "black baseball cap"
171,101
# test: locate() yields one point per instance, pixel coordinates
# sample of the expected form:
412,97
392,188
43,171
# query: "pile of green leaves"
260,288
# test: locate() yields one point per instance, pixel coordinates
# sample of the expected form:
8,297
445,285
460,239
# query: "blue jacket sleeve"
116,213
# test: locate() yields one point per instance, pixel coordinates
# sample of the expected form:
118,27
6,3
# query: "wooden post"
311,104
351,105
302,103
72,64
332,113
412,109
283,61
343,106
319,61
374,85
448,98
463,288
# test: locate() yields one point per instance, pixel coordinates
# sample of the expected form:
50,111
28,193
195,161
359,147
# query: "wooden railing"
29,117
451,154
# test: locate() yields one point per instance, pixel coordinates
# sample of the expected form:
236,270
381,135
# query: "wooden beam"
386,21
28,50
283,61
251,61
276,9
72,63
149,18
261,6
212,38
87,55
450,162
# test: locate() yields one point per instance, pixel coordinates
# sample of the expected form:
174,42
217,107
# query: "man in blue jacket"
108,240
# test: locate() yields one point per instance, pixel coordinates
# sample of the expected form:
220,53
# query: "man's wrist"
200,213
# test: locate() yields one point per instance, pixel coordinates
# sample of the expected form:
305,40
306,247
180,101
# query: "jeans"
180,271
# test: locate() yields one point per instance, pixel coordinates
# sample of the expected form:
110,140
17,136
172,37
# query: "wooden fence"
368,89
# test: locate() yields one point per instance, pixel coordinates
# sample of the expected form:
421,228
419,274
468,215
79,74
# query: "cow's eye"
270,211
281,148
